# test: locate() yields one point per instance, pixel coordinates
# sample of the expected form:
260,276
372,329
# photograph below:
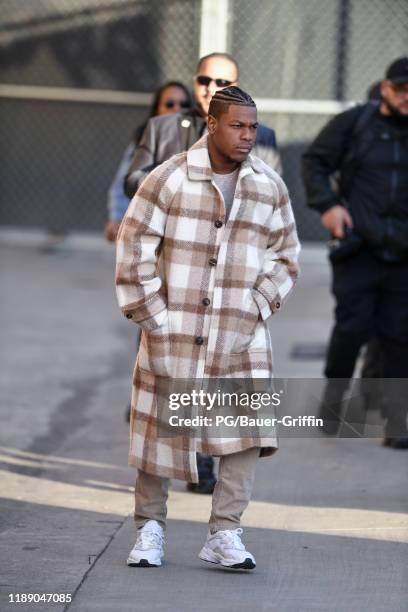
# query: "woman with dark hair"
171,97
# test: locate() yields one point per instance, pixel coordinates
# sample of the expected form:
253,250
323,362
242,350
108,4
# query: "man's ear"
211,124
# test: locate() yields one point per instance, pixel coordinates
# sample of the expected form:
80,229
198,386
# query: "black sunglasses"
205,80
173,103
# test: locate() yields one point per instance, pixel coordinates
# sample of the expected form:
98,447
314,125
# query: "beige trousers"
231,495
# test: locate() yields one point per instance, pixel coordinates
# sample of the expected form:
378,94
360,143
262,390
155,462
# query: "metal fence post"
214,26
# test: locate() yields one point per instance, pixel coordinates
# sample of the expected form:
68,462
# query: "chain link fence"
130,45
314,50
59,155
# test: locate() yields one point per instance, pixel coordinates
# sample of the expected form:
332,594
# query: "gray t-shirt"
226,183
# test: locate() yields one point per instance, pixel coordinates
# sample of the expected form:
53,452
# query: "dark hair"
224,98
156,100
226,56
138,132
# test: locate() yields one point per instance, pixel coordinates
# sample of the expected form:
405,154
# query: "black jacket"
168,135
376,190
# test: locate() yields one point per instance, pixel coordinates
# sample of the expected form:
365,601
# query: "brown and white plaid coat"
202,289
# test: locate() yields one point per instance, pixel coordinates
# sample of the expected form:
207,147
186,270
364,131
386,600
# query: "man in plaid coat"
206,253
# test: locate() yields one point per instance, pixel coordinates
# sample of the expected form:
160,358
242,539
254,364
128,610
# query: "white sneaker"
225,547
149,548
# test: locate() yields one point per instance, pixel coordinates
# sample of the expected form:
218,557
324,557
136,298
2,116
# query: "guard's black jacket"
376,189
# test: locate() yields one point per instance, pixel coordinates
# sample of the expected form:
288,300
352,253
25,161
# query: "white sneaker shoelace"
231,538
148,538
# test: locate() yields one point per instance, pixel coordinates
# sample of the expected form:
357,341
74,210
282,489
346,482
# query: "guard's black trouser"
371,301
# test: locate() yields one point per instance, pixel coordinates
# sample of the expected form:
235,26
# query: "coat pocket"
155,350
246,327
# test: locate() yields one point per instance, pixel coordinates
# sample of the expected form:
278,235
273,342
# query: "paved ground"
326,523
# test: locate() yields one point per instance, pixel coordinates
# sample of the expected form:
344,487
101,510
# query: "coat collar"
199,165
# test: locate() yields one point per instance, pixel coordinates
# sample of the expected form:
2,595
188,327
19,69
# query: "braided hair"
224,98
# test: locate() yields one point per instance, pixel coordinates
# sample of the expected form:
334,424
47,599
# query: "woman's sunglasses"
205,80
173,103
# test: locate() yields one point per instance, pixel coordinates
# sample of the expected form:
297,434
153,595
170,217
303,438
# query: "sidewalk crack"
96,559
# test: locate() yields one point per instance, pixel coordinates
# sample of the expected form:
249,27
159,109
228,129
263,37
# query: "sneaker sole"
142,563
210,557
248,564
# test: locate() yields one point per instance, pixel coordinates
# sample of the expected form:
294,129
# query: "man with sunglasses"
368,219
166,136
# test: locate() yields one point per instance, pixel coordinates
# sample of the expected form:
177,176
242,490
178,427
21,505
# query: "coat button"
128,316
218,223
199,340
206,302
212,261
